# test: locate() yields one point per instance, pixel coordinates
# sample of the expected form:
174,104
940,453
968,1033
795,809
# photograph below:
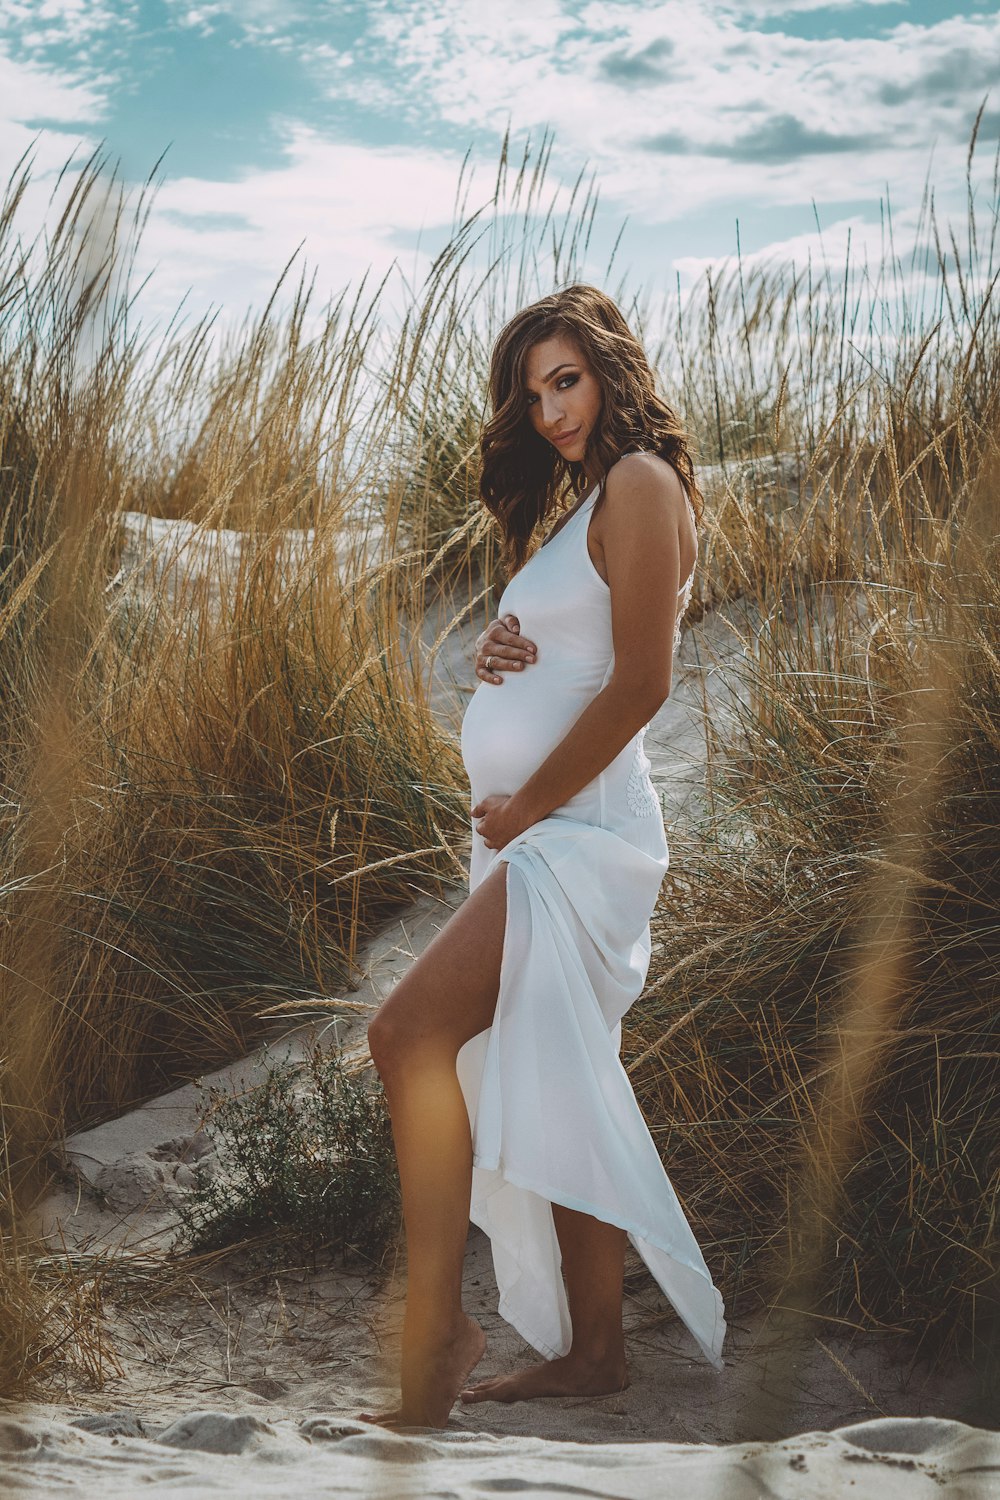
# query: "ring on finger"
489,664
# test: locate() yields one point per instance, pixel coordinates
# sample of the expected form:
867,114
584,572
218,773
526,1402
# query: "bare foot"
432,1382
572,1375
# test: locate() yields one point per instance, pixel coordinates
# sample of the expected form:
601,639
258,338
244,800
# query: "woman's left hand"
499,820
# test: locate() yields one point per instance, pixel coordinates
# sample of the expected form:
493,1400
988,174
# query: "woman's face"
563,394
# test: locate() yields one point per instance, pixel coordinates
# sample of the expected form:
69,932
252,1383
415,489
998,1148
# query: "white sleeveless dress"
553,1114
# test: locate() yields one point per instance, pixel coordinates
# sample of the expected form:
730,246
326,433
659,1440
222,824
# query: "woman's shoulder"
647,477
645,496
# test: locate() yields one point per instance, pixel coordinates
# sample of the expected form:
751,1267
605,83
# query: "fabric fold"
553,1114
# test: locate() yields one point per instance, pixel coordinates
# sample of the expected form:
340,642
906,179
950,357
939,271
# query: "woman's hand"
500,820
502,648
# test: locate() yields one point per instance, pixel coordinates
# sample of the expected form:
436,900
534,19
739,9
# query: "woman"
499,1049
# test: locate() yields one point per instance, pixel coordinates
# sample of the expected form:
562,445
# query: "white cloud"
31,91
679,109
740,114
824,249
43,24
348,204
775,9
50,111
261,20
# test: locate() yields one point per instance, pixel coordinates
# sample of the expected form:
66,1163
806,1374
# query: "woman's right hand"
504,648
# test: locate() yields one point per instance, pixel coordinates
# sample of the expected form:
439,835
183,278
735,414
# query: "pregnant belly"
509,730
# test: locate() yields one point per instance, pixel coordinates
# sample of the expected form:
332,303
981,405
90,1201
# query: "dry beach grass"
221,769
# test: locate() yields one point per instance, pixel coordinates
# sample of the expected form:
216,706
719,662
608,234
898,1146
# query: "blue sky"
343,125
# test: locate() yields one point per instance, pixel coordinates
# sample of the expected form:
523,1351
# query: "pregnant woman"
499,1050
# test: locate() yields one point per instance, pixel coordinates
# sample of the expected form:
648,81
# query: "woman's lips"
567,436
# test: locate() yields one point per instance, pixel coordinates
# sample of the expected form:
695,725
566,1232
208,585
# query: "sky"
340,127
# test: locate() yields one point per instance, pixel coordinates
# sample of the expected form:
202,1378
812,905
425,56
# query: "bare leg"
593,1258
448,996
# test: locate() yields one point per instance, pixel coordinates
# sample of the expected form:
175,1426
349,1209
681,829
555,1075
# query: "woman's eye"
565,382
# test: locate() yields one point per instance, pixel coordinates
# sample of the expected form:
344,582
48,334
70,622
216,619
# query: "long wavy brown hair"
523,478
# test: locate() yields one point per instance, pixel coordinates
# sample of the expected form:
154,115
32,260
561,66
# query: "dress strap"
566,523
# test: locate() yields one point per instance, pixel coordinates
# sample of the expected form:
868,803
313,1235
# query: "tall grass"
214,783
256,779
811,867
819,1043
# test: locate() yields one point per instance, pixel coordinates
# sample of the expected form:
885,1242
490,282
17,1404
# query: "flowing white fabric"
553,1114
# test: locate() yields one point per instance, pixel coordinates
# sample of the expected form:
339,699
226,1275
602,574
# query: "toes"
476,1392
486,1390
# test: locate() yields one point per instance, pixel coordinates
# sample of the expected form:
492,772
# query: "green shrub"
303,1161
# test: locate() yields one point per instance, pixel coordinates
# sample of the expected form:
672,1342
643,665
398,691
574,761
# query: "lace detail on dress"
683,601
639,792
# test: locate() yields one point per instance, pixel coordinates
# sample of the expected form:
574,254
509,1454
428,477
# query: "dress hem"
578,1205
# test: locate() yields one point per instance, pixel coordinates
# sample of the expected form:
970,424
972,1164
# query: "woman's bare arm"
645,526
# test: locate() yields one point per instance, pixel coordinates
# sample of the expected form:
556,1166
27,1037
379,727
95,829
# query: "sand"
225,1379
214,1453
